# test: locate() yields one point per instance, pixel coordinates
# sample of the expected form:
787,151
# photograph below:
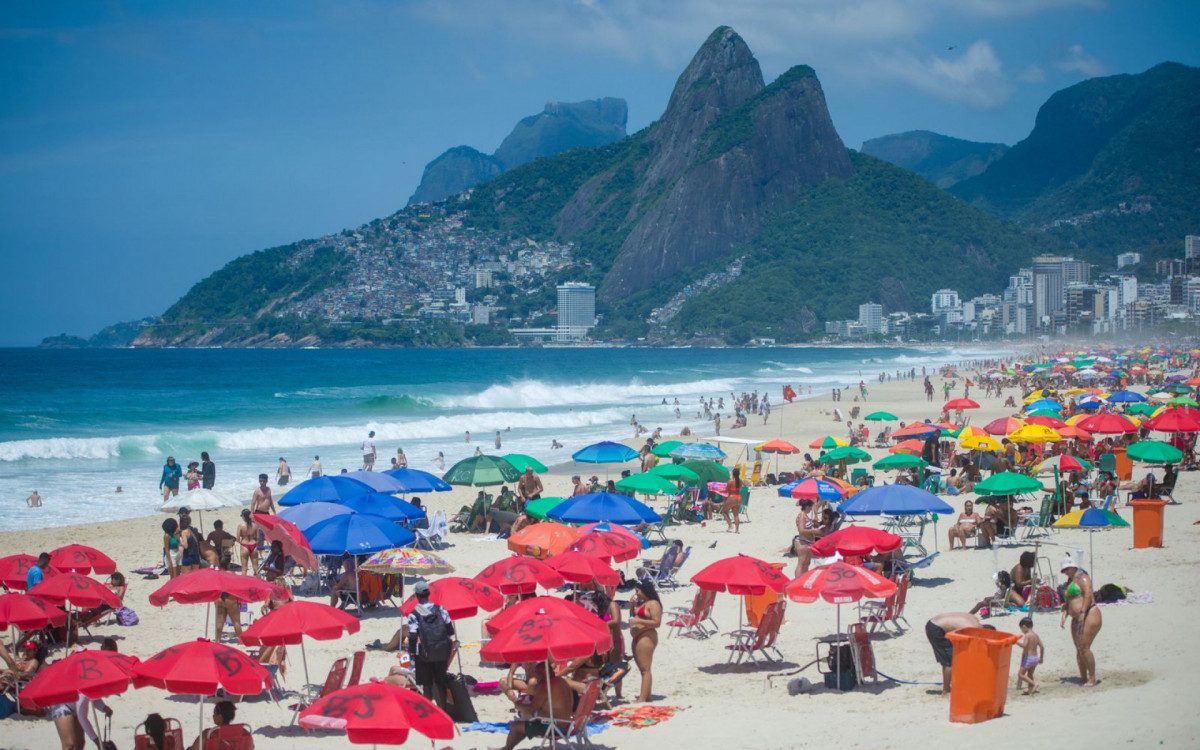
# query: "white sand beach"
1146,663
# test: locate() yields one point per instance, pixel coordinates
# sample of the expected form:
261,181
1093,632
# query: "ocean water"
76,424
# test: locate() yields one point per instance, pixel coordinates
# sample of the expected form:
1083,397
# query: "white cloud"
975,77
1032,74
1079,60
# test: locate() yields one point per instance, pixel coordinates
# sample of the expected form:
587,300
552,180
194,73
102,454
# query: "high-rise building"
1191,247
1047,288
1129,259
871,317
576,309
945,299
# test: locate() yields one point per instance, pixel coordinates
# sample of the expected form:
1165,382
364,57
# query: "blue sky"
145,144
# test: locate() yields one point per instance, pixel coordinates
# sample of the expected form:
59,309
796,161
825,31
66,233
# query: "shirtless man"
345,586
535,704
247,539
34,500
262,502
936,630
529,486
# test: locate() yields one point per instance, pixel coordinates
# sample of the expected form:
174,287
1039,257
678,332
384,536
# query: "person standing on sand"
169,482
1079,603
368,451
208,471
261,501
283,474
34,500
529,486
1032,654
247,539
936,630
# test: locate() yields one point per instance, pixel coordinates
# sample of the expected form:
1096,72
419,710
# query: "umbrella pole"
358,607
1092,554
201,735
550,702
207,614
304,658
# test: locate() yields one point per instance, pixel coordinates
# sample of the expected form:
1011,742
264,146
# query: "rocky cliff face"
942,160
561,126
726,153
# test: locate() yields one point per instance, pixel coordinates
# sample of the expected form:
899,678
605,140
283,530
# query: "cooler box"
979,673
1147,523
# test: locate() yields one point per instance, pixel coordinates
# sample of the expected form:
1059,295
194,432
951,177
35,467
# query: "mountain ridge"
941,159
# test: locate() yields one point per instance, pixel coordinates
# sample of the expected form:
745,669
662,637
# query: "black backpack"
434,633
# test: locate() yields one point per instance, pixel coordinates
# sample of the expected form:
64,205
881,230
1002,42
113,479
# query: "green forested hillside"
885,235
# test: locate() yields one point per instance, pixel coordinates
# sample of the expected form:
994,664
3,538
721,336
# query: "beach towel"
1133,597
640,717
502,727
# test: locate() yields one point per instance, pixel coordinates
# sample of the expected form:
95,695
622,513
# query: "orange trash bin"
1147,523
979,673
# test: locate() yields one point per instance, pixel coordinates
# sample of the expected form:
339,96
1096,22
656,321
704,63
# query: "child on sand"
1031,655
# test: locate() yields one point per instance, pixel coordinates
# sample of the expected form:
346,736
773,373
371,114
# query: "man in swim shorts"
936,630
368,451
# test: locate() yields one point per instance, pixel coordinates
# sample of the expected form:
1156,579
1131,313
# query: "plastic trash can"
979,673
1147,523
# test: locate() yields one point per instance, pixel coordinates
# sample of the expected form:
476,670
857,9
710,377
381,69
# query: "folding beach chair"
744,510
660,529
888,613
1040,523
333,681
228,737
756,479
862,653
761,639
690,621
172,737
438,531
574,730
906,567
356,668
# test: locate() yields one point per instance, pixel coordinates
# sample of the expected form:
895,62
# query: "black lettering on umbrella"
421,709
229,662
88,669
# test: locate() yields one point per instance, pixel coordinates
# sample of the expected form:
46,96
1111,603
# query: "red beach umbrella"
1107,424
14,568
1173,420
578,567
1051,422
378,713
79,558
277,529
519,575
1071,432
619,544
460,597
288,624
540,636
839,583
201,666
545,605
1003,426
741,575
960,403
856,541
75,589
92,674
207,585
28,613
916,429
778,446
911,447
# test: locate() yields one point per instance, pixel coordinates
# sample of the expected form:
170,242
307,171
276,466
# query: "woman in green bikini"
1079,603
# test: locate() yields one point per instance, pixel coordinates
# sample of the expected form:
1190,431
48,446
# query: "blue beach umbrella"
383,505
307,514
698,450
1126,397
893,500
605,452
1044,403
357,534
603,506
376,480
415,480
324,489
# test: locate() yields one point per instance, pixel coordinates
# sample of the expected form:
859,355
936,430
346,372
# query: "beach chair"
690,621
333,681
660,529
908,568
228,737
756,478
888,613
438,531
910,529
172,737
356,668
662,578
1040,523
744,510
574,730
856,475
862,653
761,639
1107,463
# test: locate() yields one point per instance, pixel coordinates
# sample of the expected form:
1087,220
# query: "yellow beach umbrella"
970,432
981,443
1076,419
1034,433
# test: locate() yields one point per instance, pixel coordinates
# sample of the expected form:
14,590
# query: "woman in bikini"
172,550
733,502
645,616
247,539
966,526
189,540
1079,604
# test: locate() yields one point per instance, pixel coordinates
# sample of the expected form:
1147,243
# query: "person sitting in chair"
670,561
345,588
535,702
223,713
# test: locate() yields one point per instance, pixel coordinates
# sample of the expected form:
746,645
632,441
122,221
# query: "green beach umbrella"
540,507
520,462
482,471
1044,413
900,461
1008,483
1183,401
1179,388
675,472
663,449
1154,452
881,416
1142,409
647,484
847,453
707,471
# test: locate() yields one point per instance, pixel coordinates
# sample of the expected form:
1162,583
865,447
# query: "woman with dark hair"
272,569
645,617
189,540
172,551
208,471
733,501
1022,573
156,729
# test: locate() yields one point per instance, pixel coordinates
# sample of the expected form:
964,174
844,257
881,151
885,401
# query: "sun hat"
1067,562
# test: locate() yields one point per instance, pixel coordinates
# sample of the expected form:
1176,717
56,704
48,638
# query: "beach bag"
614,672
434,634
126,617
841,658
458,700
1110,593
